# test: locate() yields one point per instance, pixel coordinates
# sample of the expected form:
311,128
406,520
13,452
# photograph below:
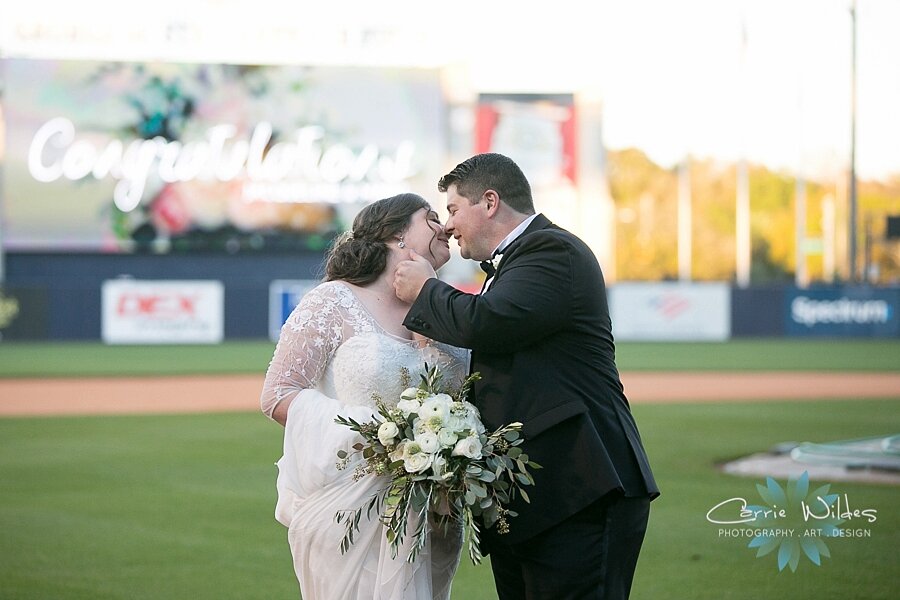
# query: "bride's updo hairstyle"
359,256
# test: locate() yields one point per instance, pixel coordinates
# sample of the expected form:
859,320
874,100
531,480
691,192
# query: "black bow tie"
488,267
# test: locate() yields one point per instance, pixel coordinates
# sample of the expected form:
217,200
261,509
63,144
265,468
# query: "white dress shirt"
509,239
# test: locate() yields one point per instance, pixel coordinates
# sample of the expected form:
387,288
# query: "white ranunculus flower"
387,431
447,437
428,440
409,393
408,406
411,447
469,447
434,407
444,399
434,423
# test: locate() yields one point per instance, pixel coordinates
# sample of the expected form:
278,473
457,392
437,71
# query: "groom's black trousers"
591,555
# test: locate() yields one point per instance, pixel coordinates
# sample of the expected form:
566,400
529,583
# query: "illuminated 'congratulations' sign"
129,156
56,151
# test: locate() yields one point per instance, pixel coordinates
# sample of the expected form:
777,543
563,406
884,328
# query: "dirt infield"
231,393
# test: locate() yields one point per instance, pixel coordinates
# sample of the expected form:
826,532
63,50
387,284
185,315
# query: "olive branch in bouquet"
443,467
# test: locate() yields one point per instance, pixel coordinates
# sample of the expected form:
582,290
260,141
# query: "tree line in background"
646,201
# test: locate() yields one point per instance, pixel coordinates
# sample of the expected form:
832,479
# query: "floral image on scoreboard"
119,157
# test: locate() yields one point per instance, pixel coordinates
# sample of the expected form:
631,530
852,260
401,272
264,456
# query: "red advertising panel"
535,130
162,312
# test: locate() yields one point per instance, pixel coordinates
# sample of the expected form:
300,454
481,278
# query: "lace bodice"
331,343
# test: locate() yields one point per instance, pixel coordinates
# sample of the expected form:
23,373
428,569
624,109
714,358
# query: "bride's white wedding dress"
334,358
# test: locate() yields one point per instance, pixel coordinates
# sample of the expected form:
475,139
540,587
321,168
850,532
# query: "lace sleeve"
308,340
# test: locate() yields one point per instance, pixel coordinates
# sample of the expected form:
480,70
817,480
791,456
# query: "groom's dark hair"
491,171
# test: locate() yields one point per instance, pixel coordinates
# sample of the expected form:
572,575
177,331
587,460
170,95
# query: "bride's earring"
402,244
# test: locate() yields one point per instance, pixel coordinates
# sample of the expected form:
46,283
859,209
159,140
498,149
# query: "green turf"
180,507
36,359
684,557
778,354
82,358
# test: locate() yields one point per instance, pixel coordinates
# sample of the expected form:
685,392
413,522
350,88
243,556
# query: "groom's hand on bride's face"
411,275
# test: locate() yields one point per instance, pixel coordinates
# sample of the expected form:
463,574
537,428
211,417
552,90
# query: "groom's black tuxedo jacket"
541,338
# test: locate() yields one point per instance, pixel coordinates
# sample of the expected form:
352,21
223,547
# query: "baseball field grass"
38,359
180,506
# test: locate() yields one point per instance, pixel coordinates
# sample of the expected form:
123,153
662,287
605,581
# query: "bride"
341,347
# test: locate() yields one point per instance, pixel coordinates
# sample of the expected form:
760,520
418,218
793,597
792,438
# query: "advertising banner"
540,133
284,295
670,311
118,157
843,312
162,312
535,130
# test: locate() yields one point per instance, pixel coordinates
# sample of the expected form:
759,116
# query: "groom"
541,338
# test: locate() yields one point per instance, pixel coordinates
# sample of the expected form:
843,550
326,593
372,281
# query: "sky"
768,80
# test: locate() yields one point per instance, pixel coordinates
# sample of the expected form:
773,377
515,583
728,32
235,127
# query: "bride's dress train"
333,358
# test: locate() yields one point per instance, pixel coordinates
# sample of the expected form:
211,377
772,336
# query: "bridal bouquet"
441,463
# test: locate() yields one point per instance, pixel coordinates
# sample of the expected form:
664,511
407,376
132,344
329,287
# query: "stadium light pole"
742,196
852,209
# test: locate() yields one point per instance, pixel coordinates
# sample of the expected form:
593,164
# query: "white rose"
408,407
387,431
479,426
473,418
447,437
414,459
456,423
417,462
469,447
399,452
